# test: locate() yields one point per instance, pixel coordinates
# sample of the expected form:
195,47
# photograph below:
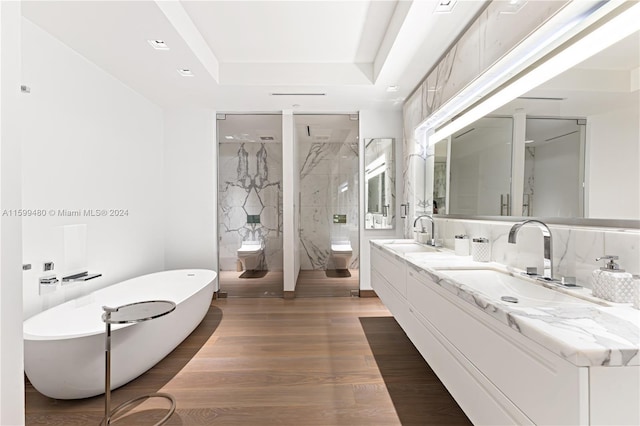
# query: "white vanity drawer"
396,304
539,383
392,269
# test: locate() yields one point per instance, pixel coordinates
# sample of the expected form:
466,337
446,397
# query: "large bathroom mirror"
569,148
380,183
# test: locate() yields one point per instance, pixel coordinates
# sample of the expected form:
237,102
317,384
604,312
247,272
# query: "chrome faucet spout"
547,242
433,226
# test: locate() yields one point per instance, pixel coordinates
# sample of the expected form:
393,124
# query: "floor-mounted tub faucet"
547,241
433,227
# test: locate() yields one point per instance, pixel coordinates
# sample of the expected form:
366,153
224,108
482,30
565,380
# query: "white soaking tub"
64,347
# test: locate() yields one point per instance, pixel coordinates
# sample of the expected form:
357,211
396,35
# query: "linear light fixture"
619,27
559,29
299,94
541,98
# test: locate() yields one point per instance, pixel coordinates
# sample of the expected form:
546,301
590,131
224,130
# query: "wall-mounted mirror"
573,152
380,186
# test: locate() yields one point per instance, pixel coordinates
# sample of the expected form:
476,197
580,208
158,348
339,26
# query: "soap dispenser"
612,283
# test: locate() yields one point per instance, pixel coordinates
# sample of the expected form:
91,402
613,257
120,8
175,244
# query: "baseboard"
289,295
368,293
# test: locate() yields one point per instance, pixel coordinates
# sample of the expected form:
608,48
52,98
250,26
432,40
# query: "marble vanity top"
590,332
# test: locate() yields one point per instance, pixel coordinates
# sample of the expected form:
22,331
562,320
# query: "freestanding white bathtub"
64,346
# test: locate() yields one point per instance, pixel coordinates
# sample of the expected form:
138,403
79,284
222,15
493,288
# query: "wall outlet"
48,266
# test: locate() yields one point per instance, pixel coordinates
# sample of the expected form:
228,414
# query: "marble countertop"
594,333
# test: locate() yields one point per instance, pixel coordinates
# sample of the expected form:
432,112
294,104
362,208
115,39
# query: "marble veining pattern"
250,183
328,186
493,34
574,249
583,334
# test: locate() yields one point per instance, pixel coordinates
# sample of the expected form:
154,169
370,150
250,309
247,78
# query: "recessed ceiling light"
445,6
513,7
229,137
392,89
158,44
185,72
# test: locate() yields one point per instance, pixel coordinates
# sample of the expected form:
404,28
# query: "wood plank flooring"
267,361
251,283
329,283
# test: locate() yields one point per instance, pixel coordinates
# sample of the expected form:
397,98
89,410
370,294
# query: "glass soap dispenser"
612,283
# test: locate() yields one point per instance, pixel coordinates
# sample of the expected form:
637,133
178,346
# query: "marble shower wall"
574,248
250,183
328,186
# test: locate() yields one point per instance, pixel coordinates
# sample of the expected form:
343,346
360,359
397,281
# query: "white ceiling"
310,128
242,52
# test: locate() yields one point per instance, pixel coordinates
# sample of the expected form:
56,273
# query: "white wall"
378,124
11,353
89,142
556,182
291,189
613,155
190,182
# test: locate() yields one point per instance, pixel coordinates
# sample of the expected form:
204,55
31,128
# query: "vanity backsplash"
575,249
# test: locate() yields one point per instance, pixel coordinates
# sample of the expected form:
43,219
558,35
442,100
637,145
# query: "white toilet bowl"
249,255
341,253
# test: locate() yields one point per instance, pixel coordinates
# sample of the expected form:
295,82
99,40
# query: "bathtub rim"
114,327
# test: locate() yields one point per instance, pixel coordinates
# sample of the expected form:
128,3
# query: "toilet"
341,253
249,255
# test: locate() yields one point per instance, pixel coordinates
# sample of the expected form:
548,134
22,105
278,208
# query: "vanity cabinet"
389,282
497,375
528,384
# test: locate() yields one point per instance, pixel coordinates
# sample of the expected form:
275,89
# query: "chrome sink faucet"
547,241
433,227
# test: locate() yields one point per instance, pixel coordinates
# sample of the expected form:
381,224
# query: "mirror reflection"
480,168
553,168
379,183
568,148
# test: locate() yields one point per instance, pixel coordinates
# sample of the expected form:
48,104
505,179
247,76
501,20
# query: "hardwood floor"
267,361
251,283
328,283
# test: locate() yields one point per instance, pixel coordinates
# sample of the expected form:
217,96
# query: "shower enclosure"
250,204
328,158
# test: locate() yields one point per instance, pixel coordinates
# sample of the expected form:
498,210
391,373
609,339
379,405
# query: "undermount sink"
501,286
410,248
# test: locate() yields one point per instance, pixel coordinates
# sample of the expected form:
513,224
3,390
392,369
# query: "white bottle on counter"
461,245
612,283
